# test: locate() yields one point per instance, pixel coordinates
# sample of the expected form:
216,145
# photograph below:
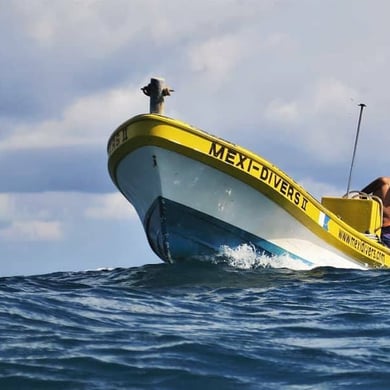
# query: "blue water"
196,326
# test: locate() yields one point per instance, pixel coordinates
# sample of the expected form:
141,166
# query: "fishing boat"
196,193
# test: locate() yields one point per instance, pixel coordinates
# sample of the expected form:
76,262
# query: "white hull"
151,173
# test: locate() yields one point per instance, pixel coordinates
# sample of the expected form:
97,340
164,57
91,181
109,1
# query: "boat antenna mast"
157,90
362,105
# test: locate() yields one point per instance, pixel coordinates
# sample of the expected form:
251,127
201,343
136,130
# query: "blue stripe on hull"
177,232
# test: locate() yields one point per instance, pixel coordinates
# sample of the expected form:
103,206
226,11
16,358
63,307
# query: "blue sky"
282,78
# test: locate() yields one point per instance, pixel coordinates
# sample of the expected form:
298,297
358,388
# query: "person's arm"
373,186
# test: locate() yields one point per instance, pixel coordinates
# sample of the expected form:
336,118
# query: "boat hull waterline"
196,193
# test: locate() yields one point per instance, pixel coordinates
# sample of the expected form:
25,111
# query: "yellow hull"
256,173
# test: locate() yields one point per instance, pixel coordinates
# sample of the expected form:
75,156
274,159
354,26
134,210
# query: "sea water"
232,324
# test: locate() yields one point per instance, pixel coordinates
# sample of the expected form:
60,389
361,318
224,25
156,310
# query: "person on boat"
380,187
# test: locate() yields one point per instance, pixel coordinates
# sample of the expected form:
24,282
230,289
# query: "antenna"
355,147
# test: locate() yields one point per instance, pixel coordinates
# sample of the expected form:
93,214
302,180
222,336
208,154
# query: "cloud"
32,231
77,26
319,189
216,57
283,78
62,168
324,97
22,219
332,96
7,207
316,117
50,216
88,120
284,112
109,206
59,23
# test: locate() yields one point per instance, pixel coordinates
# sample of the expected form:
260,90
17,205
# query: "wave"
223,324
245,256
239,268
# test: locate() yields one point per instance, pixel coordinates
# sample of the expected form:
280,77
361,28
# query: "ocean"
197,325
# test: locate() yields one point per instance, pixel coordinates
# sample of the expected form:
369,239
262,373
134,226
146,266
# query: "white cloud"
331,96
109,206
319,189
217,56
283,112
6,206
317,117
23,219
31,230
80,24
49,215
88,120
280,41
326,96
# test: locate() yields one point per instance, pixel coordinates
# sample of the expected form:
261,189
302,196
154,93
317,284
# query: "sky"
282,78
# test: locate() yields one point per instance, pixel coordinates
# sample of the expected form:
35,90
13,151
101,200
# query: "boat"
196,193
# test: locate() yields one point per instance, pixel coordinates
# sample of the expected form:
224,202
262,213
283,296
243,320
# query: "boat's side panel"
229,213
138,178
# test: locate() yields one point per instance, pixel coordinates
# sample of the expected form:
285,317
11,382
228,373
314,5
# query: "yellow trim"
249,168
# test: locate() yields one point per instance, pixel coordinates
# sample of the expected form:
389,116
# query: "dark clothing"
385,235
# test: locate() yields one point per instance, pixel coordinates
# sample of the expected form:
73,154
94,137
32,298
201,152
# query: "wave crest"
245,256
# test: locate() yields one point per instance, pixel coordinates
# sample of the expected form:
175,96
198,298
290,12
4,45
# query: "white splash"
245,256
